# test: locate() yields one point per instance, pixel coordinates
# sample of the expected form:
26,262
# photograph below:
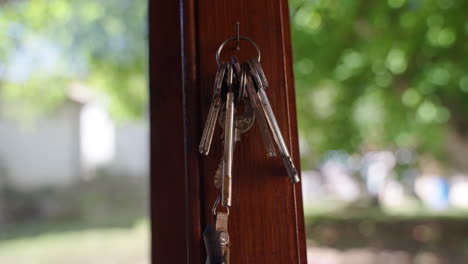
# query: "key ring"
221,47
215,206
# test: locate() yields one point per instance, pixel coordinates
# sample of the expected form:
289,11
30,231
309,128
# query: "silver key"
260,76
242,123
271,119
234,126
241,92
236,65
208,131
226,194
246,82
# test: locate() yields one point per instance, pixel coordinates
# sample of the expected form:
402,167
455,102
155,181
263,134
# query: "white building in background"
69,145
44,152
97,138
131,150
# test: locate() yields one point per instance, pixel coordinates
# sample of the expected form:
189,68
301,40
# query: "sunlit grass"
338,210
92,246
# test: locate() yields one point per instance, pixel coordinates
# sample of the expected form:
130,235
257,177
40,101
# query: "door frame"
267,221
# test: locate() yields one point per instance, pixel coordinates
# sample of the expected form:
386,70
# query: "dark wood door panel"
266,221
266,209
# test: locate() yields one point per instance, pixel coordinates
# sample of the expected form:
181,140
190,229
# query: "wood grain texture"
266,222
175,128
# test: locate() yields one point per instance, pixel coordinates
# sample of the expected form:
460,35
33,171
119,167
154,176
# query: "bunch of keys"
239,99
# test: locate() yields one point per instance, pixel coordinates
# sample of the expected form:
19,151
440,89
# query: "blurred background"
382,96
73,132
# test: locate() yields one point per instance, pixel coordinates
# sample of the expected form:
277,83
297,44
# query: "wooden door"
266,222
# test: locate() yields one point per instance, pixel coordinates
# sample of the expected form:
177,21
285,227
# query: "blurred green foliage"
380,74
49,44
369,74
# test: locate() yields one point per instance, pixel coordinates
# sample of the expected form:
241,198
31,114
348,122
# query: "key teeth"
218,180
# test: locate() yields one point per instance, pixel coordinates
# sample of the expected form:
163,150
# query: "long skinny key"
208,131
260,74
271,119
246,81
226,194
